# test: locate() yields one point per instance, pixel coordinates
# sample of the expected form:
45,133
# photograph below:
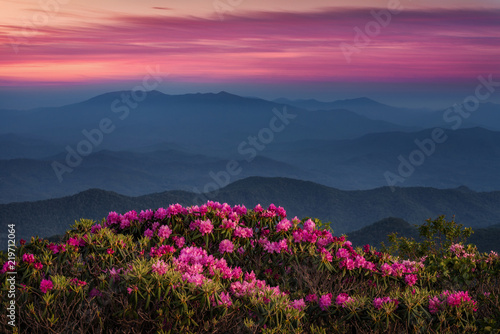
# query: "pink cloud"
261,46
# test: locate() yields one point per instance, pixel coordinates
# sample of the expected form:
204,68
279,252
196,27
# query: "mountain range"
349,162
346,210
179,142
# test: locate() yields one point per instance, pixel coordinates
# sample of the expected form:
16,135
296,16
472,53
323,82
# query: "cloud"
162,8
436,45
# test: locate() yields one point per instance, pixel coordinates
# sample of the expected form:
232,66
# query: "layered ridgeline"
217,268
171,142
346,210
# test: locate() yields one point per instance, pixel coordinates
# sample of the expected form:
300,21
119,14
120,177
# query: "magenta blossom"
411,279
205,226
379,302
284,225
298,304
164,232
160,267
28,258
226,246
225,299
46,285
325,301
343,299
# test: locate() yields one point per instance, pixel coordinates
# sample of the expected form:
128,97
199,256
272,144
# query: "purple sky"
415,54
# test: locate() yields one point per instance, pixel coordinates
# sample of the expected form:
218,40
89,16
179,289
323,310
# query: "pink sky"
256,42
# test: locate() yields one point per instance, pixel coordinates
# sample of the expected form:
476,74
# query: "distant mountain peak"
465,189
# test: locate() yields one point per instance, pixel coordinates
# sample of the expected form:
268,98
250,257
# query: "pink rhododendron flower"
255,287
115,273
196,279
160,214
161,250
148,233
76,281
258,209
342,253
456,248
8,266
160,267
250,276
113,218
228,223
164,232
283,225
28,258
243,232
298,304
124,223
226,246
311,298
343,299
379,302
46,285
281,212
110,251
132,289
326,255
225,299
297,235
38,266
309,226
348,263
73,241
56,248
179,241
130,216
95,228
434,304
450,299
411,279
146,215
325,301
205,227
386,269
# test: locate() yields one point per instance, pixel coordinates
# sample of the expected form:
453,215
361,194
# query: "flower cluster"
459,251
455,299
223,260
343,300
380,302
46,285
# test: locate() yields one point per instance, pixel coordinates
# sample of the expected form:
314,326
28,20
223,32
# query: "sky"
401,52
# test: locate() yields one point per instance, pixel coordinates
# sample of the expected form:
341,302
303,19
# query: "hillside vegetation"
346,210
217,268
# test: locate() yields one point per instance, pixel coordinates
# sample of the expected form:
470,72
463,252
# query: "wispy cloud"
267,46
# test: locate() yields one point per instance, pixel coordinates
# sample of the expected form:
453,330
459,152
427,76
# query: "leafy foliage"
220,269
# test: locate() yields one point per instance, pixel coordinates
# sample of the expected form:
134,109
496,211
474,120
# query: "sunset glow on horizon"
253,42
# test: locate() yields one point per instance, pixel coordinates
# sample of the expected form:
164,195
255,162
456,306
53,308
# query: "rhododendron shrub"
217,268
